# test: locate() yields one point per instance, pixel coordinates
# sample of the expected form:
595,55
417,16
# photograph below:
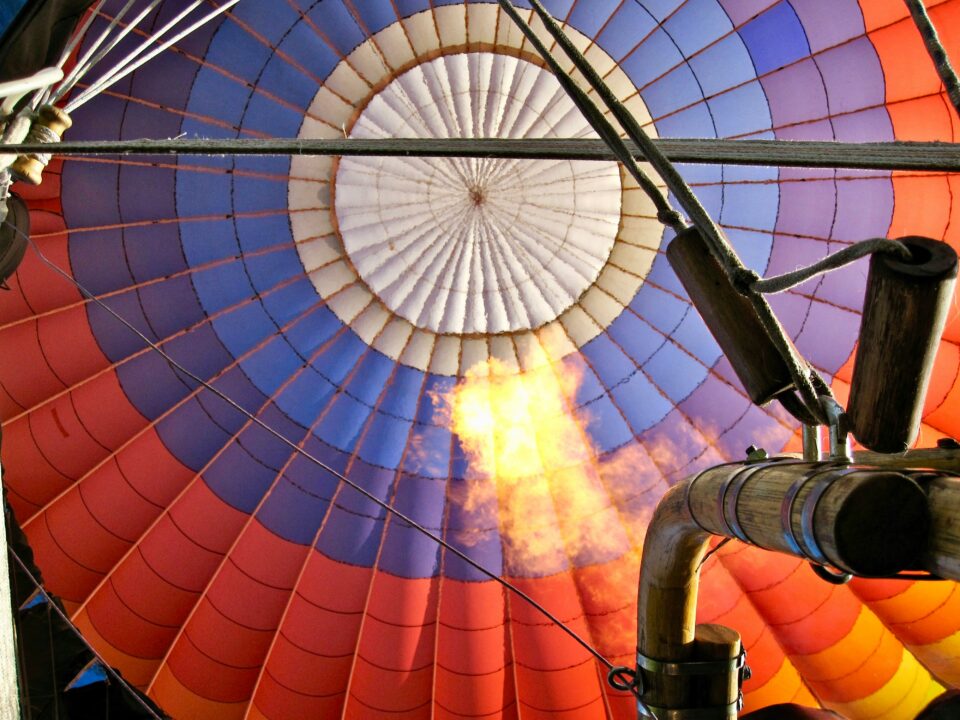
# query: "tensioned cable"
316,461
936,50
739,275
103,663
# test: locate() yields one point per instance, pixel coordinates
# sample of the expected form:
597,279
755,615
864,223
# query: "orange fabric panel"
184,704
215,657
383,691
151,470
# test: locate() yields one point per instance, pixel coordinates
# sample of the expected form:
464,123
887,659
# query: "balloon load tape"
695,669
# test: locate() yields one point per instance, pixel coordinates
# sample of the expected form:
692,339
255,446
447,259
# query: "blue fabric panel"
402,395
238,479
692,335
191,436
636,337
677,89
590,387
151,384
606,425
370,378
304,399
264,115
171,306
313,330
629,25
752,247
436,386
288,304
663,277
339,358
660,309
143,121
775,38
218,97
649,61
237,386
312,53
236,50
675,372
252,194
429,452
385,440
723,66
293,512
588,18
269,269
692,122
375,16
696,24
153,251
265,445
340,26
270,19
243,328
283,84
641,402
560,9
272,365
114,338
94,204
607,360
410,7
408,552
751,206
741,111
471,533
343,422
222,286
98,261
660,9
355,525
459,464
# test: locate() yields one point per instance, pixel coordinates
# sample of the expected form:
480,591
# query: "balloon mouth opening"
478,196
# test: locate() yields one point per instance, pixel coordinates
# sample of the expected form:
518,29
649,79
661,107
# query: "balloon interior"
369,436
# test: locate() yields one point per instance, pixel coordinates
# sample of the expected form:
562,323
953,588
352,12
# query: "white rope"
68,85
109,81
82,62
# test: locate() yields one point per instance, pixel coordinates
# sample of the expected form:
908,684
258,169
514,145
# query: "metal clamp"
807,544
692,667
729,494
736,665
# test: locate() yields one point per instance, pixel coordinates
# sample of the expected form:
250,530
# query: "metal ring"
786,507
730,494
690,491
692,667
807,512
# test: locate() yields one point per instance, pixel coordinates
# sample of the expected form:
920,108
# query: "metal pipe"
869,521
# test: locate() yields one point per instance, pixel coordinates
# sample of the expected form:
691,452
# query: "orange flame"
535,470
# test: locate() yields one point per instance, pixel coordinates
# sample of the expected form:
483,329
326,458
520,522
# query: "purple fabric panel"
853,76
741,11
806,208
795,94
829,23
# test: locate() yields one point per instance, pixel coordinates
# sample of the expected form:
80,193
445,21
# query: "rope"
716,242
936,50
895,155
63,616
603,127
779,283
317,462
